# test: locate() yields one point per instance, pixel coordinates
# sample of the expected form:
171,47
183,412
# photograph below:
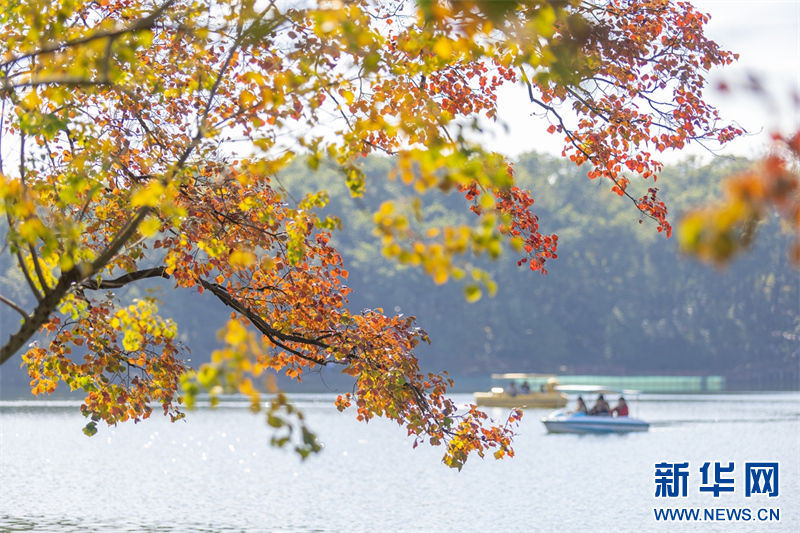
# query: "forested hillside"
619,299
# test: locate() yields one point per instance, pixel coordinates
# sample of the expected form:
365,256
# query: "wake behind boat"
566,421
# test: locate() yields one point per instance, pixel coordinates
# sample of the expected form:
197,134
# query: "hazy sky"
765,33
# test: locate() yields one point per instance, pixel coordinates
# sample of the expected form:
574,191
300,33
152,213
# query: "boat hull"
579,423
537,400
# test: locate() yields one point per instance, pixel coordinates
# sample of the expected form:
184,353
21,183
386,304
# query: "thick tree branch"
66,282
121,238
40,315
94,285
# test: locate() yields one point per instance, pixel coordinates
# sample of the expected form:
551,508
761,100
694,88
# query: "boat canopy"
593,389
522,376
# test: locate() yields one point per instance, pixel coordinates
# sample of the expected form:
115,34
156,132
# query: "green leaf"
90,429
274,421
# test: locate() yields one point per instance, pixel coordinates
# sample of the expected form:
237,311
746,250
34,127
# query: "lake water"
216,472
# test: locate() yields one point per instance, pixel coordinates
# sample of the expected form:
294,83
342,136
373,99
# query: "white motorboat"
566,421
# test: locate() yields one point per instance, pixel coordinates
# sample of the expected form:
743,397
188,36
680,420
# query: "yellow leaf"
690,230
473,293
150,226
443,48
241,258
246,387
492,287
147,196
130,341
32,100
387,208
267,264
236,333
247,98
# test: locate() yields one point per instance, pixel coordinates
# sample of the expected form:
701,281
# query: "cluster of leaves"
632,75
232,370
718,232
650,98
388,383
132,360
126,116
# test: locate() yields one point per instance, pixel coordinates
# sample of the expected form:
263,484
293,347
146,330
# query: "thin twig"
13,306
37,267
28,277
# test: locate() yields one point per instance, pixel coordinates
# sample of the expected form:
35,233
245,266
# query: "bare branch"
13,306
28,277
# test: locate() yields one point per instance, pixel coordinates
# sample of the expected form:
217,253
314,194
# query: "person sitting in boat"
512,389
600,407
525,389
621,409
581,407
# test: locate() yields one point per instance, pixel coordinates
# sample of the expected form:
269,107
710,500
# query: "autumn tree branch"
141,24
573,141
272,334
27,275
94,285
68,279
38,269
